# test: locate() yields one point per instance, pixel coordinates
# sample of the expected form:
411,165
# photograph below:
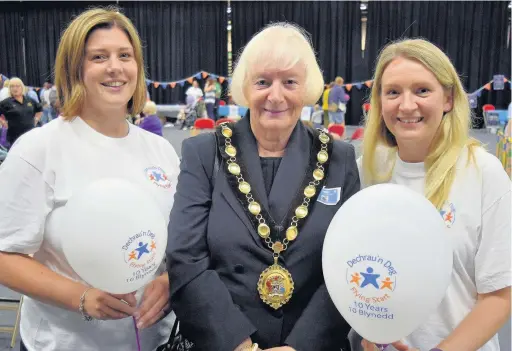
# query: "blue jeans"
337,117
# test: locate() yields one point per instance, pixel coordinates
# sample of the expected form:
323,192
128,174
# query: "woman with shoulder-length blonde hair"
245,238
21,112
99,73
417,135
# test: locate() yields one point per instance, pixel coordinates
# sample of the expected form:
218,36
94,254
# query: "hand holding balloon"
155,302
101,305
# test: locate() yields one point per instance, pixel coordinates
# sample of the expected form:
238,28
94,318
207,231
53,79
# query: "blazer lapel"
246,143
248,154
290,174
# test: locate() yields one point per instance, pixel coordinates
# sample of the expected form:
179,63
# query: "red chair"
338,129
488,107
204,123
358,134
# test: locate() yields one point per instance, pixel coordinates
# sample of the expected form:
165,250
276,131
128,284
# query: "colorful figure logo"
448,214
371,278
157,176
140,249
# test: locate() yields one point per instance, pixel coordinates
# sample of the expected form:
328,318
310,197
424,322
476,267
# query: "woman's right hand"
101,305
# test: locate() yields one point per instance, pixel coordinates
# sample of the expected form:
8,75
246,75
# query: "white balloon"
117,235
387,261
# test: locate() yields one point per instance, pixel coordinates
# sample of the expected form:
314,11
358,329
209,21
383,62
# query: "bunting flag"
172,84
156,84
487,86
198,76
505,80
204,74
164,85
368,83
221,79
348,87
358,86
181,83
190,80
37,89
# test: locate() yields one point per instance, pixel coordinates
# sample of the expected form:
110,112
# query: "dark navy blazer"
215,255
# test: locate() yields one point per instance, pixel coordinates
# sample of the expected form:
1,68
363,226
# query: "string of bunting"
497,83
181,82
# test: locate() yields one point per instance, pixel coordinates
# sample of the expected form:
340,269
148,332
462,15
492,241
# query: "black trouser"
14,134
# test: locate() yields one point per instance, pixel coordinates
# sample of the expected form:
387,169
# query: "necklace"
275,284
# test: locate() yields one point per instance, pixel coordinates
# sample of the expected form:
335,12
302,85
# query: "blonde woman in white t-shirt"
99,73
417,135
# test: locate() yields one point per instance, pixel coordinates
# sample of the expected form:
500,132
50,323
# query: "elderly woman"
21,112
247,228
99,72
150,121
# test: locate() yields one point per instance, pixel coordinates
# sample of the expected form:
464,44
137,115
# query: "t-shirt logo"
157,176
29,104
448,214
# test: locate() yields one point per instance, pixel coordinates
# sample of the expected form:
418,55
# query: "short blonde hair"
71,53
451,136
339,80
149,108
282,44
16,80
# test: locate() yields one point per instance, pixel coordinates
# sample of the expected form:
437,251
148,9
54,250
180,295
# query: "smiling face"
276,96
109,69
413,102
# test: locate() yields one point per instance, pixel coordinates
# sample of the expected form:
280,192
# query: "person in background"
417,135
32,94
317,117
99,74
209,98
21,112
4,92
337,102
195,91
218,96
150,121
325,103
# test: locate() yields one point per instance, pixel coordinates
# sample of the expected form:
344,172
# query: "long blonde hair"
451,136
71,53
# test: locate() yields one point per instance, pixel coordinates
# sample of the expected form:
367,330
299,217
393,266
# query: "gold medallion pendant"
275,286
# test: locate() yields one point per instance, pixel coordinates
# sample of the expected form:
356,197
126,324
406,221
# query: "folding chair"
12,305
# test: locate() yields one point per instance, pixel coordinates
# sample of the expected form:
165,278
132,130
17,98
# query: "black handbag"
176,341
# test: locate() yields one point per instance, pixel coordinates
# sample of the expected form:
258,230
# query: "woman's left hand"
155,302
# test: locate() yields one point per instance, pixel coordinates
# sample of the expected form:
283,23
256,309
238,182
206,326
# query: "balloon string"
382,347
136,333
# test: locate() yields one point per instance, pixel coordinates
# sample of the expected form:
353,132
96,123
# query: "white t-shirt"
42,170
478,213
195,92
